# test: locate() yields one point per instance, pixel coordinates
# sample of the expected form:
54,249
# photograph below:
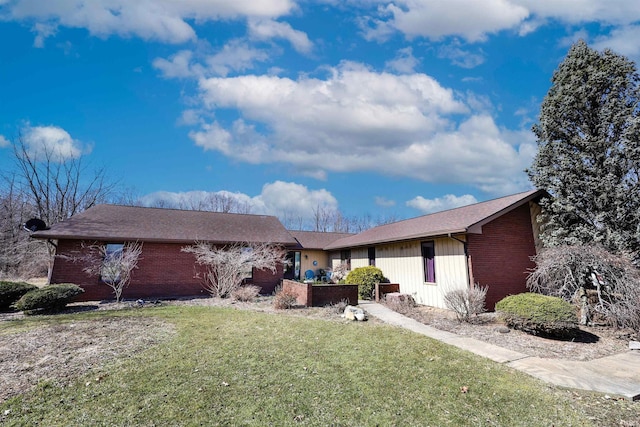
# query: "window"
247,267
345,258
428,261
112,262
292,268
372,256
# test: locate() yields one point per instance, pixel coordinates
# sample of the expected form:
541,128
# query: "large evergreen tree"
589,152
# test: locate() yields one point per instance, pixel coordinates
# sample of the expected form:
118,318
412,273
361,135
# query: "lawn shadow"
79,308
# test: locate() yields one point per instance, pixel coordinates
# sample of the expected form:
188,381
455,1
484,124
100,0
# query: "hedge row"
32,300
10,292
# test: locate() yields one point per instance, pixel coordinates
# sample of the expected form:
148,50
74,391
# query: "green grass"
231,367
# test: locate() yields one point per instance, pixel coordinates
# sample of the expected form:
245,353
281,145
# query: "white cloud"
162,20
404,62
279,198
434,19
51,142
178,65
42,30
460,57
474,20
262,29
623,40
295,199
384,202
448,201
4,142
613,12
359,120
235,56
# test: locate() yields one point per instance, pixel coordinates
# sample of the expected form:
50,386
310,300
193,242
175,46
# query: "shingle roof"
466,219
126,223
316,239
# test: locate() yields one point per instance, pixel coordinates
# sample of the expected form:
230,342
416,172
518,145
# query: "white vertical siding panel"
359,258
402,263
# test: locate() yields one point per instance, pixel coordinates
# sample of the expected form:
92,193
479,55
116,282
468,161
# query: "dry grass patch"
61,352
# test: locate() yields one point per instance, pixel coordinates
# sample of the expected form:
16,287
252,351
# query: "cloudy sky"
386,108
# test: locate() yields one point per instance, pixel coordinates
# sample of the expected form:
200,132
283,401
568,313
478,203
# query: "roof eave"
433,235
116,238
477,227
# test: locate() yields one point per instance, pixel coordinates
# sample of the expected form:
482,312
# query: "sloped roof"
466,219
126,223
316,239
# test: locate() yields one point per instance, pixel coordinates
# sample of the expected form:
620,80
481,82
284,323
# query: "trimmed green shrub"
10,292
539,314
366,279
48,298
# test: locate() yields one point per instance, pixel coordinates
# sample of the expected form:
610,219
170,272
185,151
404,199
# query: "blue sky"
392,108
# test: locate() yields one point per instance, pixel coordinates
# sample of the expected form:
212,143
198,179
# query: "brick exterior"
385,288
332,294
309,295
164,271
500,256
302,291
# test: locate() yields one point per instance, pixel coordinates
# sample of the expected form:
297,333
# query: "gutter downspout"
466,256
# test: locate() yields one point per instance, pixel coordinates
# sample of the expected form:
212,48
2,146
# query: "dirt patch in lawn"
592,342
62,352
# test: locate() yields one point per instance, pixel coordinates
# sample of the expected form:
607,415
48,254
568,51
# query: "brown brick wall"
164,271
321,295
385,288
332,294
500,256
302,291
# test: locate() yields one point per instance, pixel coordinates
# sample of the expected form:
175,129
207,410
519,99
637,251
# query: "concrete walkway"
617,375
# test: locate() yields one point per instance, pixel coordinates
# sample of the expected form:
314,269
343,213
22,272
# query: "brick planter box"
385,288
319,295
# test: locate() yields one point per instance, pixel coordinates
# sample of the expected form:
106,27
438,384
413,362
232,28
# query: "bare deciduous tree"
113,267
226,266
20,256
50,186
599,282
339,272
58,186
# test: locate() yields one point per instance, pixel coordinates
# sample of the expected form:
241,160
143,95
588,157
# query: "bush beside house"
10,292
48,298
539,315
366,279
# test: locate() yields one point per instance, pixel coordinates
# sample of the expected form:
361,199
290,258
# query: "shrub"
48,298
339,307
10,292
284,300
571,272
366,279
466,302
539,315
246,293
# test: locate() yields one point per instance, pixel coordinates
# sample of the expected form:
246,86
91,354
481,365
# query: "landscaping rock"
354,313
634,345
503,330
399,298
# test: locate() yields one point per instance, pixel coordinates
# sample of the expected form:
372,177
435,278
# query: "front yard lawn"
231,367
